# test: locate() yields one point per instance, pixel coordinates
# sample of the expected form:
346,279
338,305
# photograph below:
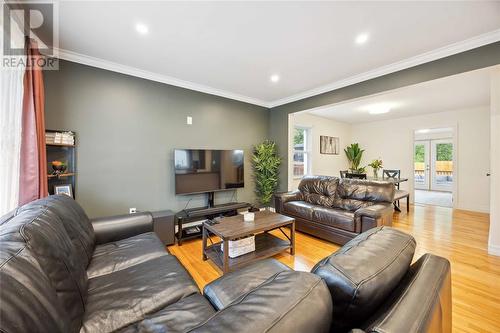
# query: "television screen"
201,170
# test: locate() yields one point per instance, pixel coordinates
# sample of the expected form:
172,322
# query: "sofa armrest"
421,303
229,287
113,228
289,301
281,198
373,216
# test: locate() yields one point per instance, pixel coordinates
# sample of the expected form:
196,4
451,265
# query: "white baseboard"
474,208
494,250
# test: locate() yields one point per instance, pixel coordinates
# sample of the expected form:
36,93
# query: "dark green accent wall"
481,57
127,128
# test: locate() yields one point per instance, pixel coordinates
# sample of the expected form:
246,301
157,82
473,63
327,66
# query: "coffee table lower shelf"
266,245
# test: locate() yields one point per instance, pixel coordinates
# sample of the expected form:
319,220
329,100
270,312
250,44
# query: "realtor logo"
39,21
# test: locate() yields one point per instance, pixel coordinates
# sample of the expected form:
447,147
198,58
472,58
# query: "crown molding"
133,71
465,45
468,44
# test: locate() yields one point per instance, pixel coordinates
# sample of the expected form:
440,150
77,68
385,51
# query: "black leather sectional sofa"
337,209
61,272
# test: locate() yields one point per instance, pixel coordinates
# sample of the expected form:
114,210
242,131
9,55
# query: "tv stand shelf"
201,213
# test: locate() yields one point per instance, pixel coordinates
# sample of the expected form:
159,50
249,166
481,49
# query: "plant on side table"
354,154
376,165
265,163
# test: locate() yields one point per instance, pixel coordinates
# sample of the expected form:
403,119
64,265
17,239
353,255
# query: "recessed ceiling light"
141,28
361,38
274,78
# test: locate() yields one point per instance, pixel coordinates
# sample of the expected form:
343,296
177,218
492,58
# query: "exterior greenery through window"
444,152
301,153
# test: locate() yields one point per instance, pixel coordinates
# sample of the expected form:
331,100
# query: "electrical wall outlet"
132,210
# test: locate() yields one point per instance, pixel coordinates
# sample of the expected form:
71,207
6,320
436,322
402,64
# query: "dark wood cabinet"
64,152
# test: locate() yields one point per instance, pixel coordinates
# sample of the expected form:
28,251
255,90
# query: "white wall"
494,240
392,140
321,164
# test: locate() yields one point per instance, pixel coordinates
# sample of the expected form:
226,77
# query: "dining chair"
400,194
343,173
355,175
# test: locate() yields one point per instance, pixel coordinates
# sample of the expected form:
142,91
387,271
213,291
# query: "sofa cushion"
124,253
319,190
299,209
75,222
7,217
228,288
351,205
121,298
46,238
364,272
178,317
28,302
338,218
289,301
364,190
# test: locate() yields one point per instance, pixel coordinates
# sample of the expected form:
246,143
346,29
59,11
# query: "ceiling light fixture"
423,131
141,28
361,38
274,78
379,111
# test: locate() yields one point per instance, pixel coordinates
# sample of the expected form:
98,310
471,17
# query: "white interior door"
422,164
442,165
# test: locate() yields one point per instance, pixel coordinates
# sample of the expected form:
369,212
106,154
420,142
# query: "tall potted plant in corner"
354,155
265,163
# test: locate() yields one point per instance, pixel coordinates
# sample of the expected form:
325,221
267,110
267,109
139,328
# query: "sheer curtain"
11,110
10,137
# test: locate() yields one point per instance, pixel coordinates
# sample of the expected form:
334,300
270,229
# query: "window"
301,152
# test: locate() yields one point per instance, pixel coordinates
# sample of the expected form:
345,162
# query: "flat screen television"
208,170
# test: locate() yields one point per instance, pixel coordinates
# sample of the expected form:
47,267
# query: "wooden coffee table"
231,228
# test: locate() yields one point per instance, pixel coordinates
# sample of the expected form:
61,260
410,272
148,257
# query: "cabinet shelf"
68,174
60,144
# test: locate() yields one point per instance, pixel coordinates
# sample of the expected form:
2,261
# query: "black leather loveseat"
59,272
337,209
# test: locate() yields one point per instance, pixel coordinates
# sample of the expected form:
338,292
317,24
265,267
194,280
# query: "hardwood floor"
459,236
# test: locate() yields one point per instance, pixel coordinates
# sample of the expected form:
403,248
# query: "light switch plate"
189,120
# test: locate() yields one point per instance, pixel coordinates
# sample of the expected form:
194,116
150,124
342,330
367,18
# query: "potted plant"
354,155
376,165
265,163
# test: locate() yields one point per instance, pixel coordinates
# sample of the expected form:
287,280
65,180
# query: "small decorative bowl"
61,168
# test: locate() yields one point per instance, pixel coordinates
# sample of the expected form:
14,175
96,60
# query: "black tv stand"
202,213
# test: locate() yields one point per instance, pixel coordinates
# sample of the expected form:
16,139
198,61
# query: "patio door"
433,165
422,165
442,165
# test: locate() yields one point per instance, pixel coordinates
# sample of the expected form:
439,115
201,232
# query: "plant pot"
375,173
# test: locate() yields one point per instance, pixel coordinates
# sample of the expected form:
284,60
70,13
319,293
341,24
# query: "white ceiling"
467,90
232,48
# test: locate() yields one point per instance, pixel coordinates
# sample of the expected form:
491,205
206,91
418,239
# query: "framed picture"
63,189
328,145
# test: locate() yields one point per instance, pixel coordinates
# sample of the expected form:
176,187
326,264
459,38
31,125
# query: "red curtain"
33,173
